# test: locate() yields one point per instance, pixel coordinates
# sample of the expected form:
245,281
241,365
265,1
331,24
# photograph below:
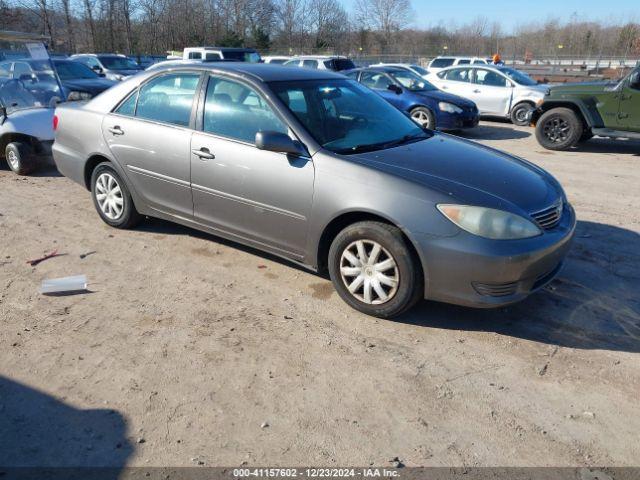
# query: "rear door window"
457,75
168,99
310,63
442,62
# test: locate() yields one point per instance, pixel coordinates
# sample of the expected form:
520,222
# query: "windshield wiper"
369,147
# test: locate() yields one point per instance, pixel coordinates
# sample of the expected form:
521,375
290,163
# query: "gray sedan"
320,170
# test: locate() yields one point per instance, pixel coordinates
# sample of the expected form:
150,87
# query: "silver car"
320,170
496,90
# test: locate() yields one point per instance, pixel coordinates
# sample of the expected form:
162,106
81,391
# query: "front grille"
549,217
496,289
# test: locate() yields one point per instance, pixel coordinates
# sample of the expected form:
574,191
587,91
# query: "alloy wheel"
369,272
109,196
422,118
556,129
521,114
13,160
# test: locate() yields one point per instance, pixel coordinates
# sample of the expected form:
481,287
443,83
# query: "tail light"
55,123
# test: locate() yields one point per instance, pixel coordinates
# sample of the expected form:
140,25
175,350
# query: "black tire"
406,270
20,158
519,112
424,117
559,129
128,216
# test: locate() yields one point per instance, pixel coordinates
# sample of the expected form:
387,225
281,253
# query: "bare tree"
385,16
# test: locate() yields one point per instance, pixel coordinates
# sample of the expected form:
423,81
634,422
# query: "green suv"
574,113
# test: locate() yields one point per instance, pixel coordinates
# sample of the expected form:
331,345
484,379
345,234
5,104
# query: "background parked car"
574,113
441,62
323,62
113,66
26,126
212,54
427,105
276,59
78,81
417,69
496,90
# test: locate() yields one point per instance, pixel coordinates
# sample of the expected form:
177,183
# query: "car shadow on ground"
608,145
39,431
592,304
485,131
46,170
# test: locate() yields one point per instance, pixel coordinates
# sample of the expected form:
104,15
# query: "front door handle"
116,130
477,91
203,153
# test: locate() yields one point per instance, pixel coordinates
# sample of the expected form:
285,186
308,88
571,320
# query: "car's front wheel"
424,117
112,199
559,129
519,114
374,270
20,158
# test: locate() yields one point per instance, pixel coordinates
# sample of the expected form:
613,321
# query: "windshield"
442,62
119,63
251,57
15,96
411,81
519,77
346,117
74,71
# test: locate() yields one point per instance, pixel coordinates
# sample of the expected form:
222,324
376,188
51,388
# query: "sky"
512,13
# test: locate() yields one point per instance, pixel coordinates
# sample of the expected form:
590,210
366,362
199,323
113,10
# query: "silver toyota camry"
318,169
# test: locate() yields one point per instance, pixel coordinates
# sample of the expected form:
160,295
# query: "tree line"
372,27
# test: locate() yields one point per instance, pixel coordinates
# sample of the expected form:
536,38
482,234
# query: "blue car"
428,106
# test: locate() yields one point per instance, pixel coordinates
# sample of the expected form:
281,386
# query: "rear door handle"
116,130
203,153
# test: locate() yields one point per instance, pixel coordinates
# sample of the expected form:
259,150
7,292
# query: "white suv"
496,90
441,62
321,62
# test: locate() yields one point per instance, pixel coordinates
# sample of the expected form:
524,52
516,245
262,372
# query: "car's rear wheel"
374,270
20,158
112,199
519,114
424,117
559,129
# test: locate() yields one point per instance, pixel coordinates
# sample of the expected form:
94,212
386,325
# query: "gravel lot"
190,350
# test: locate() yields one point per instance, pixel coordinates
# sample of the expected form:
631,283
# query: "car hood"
582,88
468,172
91,85
441,96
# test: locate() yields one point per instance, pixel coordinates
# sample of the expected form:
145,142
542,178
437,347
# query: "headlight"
75,95
449,107
489,223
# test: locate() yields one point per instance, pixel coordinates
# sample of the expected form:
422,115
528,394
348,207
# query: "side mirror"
634,80
97,69
276,142
28,77
394,88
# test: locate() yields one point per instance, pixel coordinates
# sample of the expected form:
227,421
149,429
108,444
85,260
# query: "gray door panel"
156,159
260,195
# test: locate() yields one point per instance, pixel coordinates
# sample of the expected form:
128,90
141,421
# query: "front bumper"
477,272
457,121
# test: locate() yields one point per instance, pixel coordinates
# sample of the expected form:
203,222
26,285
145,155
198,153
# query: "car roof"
265,72
316,57
467,66
379,68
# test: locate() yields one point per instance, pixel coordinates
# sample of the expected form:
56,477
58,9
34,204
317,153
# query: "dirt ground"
190,350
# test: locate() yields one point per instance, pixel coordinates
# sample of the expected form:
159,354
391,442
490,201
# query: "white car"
441,62
412,67
321,62
276,59
496,90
